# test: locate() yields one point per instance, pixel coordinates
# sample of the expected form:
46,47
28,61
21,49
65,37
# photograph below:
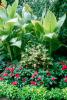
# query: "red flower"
41,83
14,83
33,83
7,68
5,74
48,74
53,78
24,79
64,67
38,79
11,69
17,75
65,79
1,78
35,74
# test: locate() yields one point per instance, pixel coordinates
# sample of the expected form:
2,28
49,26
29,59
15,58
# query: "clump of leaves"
36,55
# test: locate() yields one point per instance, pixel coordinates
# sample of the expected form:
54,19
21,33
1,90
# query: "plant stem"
9,51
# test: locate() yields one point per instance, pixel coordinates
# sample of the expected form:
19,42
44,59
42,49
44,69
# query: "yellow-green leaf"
49,22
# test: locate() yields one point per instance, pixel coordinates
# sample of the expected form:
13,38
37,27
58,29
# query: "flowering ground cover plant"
54,76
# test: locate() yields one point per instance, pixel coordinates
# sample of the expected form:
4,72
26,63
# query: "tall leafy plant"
49,29
8,20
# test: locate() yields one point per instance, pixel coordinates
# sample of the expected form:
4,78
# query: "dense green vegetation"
31,93
33,49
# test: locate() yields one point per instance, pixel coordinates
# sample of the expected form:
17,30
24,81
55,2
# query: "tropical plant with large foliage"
47,30
8,22
12,28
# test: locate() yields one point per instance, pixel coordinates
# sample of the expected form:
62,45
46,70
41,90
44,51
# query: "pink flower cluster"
35,74
64,67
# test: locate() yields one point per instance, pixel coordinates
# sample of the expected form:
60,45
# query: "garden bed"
33,60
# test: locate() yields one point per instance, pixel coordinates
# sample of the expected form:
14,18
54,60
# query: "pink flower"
5,74
1,78
17,75
33,83
38,79
53,78
14,83
65,79
35,74
24,79
7,68
11,70
64,67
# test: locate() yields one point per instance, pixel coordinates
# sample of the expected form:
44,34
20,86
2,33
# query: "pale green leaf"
3,15
12,21
17,44
50,22
61,21
11,10
3,37
13,40
50,35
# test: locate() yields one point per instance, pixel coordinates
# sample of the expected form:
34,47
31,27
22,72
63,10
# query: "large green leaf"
61,21
11,10
50,22
10,24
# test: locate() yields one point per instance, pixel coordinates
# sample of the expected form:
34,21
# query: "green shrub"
31,93
13,92
9,91
3,89
54,94
36,55
64,91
